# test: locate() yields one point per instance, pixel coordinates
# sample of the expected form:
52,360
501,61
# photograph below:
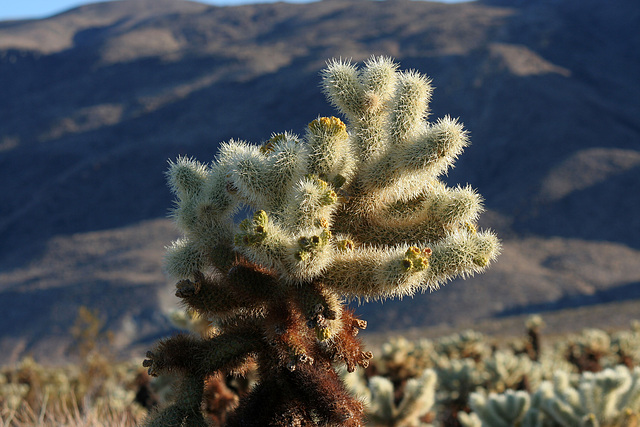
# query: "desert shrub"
418,388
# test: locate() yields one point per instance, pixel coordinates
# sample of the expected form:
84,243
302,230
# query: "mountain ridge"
98,98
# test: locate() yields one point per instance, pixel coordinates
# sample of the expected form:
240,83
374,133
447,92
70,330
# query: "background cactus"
417,398
626,345
610,398
508,371
503,410
488,383
100,393
352,210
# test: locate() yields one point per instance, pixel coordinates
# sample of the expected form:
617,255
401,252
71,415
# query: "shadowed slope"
97,98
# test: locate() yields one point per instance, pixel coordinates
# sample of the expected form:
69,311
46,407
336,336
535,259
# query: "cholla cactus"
626,345
457,379
465,345
353,211
418,396
497,410
508,371
512,408
590,350
401,359
610,398
533,347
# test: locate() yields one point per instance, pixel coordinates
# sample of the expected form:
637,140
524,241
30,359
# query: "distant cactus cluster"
466,380
479,382
610,398
346,211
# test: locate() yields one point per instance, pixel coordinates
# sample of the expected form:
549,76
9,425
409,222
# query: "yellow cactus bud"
470,227
416,259
252,232
267,147
302,255
331,125
322,334
329,198
345,245
321,183
322,222
260,218
325,236
413,251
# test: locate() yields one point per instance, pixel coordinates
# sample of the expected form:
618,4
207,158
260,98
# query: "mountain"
97,99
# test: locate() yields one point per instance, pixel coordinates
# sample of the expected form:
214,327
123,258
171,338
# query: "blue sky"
17,9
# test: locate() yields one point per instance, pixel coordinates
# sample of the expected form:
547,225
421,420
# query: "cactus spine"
351,210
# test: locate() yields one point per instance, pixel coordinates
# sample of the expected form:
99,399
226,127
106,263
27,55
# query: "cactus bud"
345,245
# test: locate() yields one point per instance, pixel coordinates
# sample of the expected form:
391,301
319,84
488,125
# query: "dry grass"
33,395
63,415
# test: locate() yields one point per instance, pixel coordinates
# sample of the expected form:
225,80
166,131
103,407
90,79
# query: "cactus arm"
411,105
429,155
330,156
186,409
225,351
244,287
371,272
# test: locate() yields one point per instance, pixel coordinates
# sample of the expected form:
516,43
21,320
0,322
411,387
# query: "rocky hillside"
95,100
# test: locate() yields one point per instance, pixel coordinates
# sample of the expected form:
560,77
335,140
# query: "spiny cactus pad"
353,210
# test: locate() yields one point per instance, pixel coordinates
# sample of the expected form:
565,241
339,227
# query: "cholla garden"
349,211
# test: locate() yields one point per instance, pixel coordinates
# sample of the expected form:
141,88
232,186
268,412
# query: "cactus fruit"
353,210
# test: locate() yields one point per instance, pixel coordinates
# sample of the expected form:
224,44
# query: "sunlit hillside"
97,99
